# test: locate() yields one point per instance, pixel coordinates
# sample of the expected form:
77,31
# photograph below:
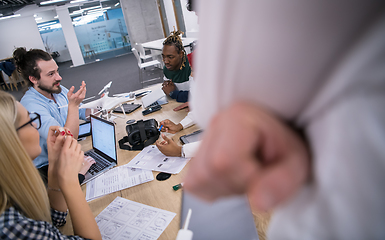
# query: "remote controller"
151,110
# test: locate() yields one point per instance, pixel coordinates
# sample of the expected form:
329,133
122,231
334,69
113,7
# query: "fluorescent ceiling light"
11,16
78,11
39,18
46,24
76,1
75,13
117,4
52,1
90,8
98,10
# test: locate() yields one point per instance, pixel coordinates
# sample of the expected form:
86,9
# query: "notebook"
103,147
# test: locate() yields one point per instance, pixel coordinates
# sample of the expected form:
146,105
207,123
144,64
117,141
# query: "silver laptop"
103,147
226,219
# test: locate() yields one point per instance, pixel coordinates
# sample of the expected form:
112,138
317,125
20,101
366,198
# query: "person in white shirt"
270,70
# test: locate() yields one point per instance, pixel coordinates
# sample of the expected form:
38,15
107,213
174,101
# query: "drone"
106,104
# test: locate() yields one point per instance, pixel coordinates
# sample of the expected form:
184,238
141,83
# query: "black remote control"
151,110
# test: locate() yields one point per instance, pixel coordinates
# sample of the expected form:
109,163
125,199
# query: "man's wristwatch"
171,93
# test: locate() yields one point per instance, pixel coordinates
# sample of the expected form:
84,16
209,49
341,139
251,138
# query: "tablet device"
227,218
193,137
128,107
84,129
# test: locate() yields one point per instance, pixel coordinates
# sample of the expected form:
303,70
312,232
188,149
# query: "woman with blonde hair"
28,209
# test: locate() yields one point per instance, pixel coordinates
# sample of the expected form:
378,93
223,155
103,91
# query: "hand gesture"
170,127
168,86
168,147
75,99
248,150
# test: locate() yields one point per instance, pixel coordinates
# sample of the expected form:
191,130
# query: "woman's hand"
88,161
70,162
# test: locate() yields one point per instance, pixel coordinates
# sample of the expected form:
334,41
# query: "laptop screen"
103,136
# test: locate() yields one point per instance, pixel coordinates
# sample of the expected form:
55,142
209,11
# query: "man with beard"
56,105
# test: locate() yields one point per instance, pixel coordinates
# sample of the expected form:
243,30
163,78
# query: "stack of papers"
137,171
125,219
150,158
115,180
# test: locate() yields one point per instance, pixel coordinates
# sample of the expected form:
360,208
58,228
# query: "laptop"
226,219
103,147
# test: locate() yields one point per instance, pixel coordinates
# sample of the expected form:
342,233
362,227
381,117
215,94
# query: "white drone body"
106,104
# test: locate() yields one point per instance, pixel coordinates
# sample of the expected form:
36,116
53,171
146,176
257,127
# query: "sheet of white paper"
126,219
152,97
150,158
116,179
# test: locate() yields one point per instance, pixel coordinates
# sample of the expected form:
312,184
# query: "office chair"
142,52
88,51
143,66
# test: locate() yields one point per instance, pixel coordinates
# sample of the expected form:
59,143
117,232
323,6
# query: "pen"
160,127
177,187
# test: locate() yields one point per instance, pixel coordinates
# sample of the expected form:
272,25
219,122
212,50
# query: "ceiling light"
117,4
99,10
11,16
51,1
39,18
76,1
90,8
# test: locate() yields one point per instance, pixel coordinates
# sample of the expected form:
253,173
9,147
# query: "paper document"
125,219
150,158
152,97
116,179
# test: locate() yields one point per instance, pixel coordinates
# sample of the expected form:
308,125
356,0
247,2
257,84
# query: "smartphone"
84,129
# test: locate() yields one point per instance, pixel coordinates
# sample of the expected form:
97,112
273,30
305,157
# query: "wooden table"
156,193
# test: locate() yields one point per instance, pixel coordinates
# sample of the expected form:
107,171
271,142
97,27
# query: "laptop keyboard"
99,165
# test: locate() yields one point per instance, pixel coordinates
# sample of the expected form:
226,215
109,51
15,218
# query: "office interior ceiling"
8,7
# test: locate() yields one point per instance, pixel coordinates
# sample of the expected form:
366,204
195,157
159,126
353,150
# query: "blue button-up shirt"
51,115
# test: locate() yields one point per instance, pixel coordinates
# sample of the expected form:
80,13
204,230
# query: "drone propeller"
105,88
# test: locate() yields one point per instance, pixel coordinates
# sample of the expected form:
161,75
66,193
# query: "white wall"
190,18
169,8
19,32
190,21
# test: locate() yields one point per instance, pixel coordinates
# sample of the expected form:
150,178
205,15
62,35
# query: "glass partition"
101,30
52,35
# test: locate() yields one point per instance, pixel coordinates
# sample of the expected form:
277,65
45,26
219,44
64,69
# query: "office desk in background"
158,44
156,193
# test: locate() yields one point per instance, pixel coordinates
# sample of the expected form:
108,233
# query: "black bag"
140,135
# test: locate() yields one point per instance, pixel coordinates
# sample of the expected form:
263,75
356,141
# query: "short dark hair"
26,62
